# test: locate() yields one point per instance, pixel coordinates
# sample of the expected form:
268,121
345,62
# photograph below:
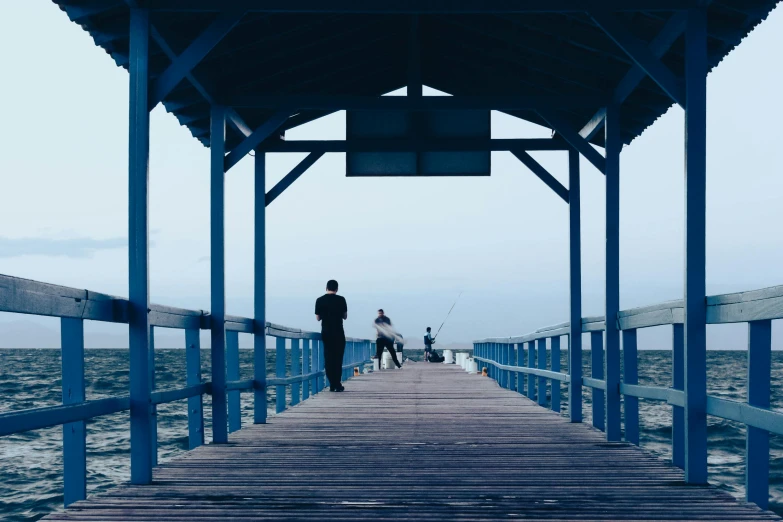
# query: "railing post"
217,192
695,248
612,340
501,349
575,289
757,440
296,370
542,366
306,358
597,372
74,433
280,374
195,404
259,291
531,363
511,360
520,361
138,251
322,378
678,383
555,345
232,374
154,412
631,376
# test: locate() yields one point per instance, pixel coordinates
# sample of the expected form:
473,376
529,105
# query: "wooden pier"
430,442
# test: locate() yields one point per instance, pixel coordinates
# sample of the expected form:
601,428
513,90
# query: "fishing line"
448,314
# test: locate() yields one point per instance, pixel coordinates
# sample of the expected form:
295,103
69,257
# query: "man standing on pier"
331,309
386,335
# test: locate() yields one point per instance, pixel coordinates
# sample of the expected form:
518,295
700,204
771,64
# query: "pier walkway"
430,442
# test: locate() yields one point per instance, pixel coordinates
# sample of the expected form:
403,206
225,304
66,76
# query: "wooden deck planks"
429,442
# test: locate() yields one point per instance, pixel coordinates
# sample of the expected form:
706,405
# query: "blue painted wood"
18,421
512,361
138,253
217,230
280,373
74,433
695,254
292,176
531,363
631,376
253,141
154,419
306,368
757,440
321,378
612,280
678,383
296,369
597,372
193,378
259,290
554,343
232,374
542,366
574,288
542,174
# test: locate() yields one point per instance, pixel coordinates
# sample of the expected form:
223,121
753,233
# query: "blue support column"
597,365
259,291
631,376
74,433
520,361
574,289
232,374
280,374
154,418
502,374
138,248
678,383
511,360
612,340
757,440
306,368
555,345
695,253
542,366
217,147
296,369
318,381
195,404
531,363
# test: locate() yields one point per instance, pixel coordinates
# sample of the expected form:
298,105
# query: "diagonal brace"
543,174
574,139
192,56
292,176
641,55
254,140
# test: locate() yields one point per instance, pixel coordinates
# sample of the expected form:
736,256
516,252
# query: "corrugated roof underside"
354,54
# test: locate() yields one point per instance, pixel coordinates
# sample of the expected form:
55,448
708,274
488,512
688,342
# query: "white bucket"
388,363
376,365
472,366
448,357
462,359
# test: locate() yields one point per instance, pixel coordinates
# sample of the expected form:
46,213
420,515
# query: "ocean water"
31,463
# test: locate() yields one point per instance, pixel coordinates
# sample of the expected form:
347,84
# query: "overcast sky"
407,245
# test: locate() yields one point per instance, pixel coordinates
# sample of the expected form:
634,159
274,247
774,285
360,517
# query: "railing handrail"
738,307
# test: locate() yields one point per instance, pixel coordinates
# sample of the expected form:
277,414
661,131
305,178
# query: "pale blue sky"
407,245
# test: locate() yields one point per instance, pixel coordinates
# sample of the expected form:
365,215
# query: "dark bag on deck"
436,357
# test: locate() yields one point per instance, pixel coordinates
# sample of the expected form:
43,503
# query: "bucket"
376,366
388,363
448,357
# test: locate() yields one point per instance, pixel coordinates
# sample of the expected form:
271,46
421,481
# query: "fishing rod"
448,314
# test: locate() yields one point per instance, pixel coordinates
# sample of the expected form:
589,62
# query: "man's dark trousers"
382,343
334,350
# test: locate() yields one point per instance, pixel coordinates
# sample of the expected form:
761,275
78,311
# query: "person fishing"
428,342
331,310
386,337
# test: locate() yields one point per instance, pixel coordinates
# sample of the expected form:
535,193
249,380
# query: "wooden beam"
641,55
543,174
254,140
411,145
574,139
292,176
192,56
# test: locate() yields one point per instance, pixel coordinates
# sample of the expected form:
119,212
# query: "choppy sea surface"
31,463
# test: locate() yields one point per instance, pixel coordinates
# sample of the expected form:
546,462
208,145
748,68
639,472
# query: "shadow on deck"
429,442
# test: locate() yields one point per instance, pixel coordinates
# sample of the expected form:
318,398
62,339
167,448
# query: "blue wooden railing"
305,376
505,362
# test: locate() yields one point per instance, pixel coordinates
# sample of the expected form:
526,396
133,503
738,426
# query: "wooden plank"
458,447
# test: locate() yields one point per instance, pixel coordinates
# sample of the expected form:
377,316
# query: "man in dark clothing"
428,342
331,309
385,338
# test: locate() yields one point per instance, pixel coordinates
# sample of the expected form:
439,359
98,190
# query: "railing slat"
280,373
678,383
306,359
193,378
296,369
597,372
541,366
232,374
154,408
554,343
531,363
631,376
74,433
757,440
